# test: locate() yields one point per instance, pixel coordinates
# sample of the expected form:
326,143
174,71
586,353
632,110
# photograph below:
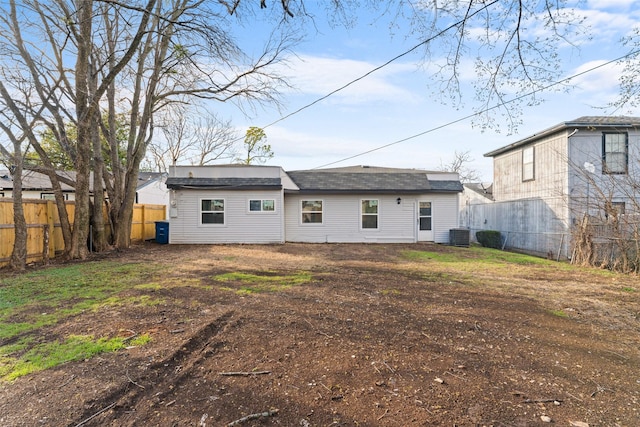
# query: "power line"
429,40
502,104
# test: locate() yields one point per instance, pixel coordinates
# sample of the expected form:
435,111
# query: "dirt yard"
374,338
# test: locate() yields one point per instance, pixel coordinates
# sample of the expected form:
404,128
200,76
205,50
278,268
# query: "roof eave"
320,191
223,188
556,129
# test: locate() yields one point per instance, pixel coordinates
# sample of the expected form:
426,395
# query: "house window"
1,194
257,205
369,214
528,169
615,149
212,211
312,211
51,196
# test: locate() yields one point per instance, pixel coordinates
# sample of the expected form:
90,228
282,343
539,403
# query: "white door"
425,221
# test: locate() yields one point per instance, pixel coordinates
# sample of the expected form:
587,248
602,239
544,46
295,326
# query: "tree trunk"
84,113
19,255
122,229
99,238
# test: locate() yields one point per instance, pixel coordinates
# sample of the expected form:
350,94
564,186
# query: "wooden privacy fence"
44,234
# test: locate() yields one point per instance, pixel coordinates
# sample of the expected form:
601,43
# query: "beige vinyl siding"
341,220
240,225
397,223
550,165
445,215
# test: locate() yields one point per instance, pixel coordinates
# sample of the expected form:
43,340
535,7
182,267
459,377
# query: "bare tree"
13,159
89,62
103,59
461,164
197,139
607,206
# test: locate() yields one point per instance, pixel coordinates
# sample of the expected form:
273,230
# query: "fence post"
144,223
52,229
45,244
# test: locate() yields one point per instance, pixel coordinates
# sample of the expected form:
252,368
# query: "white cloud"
319,76
613,4
597,87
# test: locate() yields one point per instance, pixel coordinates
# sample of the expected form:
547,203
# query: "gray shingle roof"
224,183
374,182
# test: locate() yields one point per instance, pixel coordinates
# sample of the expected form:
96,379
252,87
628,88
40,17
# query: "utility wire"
477,113
429,40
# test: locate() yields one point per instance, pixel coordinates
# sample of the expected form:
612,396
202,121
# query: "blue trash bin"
162,232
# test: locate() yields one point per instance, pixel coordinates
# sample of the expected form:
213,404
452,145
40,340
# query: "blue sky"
400,100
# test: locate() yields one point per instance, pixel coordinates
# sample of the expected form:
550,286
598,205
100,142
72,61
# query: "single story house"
151,188
36,185
265,204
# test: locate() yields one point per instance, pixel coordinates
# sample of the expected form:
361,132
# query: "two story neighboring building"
545,184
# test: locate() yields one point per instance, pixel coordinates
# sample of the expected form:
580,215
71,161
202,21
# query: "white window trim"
53,196
261,211
370,214
224,212
302,212
605,169
533,163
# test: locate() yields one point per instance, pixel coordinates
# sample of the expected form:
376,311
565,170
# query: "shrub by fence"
45,235
489,238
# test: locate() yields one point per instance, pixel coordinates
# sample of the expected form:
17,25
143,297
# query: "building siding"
531,215
530,225
550,165
241,226
341,219
445,215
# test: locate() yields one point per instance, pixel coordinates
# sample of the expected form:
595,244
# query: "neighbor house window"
528,169
51,196
312,211
1,194
212,211
257,205
369,214
615,150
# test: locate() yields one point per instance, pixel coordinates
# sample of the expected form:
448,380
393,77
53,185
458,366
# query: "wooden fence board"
41,213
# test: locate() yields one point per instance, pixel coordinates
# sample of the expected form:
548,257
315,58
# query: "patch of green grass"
474,258
390,292
42,298
559,313
45,297
496,255
140,300
152,286
264,282
48,355
628,289
19,346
